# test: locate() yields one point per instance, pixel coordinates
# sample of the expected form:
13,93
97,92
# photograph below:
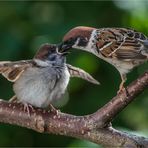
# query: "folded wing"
123,44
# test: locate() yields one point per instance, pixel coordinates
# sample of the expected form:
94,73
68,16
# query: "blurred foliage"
24,26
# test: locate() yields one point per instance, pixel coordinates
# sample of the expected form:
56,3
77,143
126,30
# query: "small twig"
92,127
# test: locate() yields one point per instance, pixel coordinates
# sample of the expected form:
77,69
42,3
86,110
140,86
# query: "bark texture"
95,127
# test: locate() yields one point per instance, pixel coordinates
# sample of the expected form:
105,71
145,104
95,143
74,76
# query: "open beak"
63,47
61,52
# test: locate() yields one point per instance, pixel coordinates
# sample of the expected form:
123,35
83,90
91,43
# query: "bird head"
77,38
50,54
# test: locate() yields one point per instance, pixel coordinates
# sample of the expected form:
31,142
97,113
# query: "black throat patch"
82,42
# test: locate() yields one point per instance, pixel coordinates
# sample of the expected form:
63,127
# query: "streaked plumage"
121,47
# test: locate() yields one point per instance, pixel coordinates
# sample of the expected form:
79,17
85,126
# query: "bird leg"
13,99
53,109
27,107
121,87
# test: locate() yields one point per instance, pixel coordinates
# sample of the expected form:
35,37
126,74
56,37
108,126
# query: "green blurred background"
24,26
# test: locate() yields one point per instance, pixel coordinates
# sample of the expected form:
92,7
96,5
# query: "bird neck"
91,45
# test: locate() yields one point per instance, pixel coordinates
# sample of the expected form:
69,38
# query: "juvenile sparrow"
42,79
121,47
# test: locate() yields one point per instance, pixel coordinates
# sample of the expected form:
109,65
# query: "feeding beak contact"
62,52
64,46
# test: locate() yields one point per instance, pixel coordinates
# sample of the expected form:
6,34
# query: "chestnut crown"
78,36
49,52
80,31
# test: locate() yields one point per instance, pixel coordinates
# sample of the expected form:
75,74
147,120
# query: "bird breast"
39,86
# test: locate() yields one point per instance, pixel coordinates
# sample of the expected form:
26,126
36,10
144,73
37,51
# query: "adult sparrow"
121,47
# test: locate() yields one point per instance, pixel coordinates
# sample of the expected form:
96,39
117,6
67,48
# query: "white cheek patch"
77,42
92,40
91,46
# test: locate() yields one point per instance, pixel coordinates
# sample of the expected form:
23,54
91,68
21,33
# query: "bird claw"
121,88
13,100
53,109
27,108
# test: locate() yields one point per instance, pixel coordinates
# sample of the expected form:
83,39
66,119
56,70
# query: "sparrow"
122,47
43,79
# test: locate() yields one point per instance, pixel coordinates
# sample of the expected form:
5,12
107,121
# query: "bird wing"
77,72
121,43
13,70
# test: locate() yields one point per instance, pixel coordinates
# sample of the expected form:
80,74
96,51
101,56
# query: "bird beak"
62,53
64,46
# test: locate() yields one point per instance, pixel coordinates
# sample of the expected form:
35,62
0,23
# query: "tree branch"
94,127
119,102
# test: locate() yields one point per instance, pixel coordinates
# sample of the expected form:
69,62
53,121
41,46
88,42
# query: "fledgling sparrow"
121,47
44,78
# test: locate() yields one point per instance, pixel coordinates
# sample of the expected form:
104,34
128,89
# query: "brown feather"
79,31
44,50
120,43
77,72
13,70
